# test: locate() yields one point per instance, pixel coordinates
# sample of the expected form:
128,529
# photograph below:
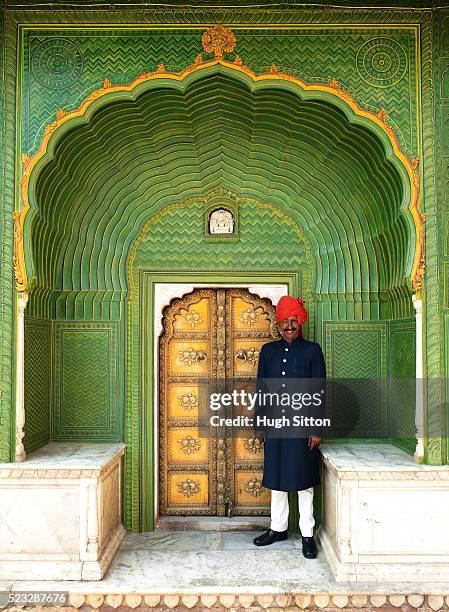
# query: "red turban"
290,307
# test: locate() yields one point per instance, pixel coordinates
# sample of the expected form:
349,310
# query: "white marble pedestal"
384,517
60,515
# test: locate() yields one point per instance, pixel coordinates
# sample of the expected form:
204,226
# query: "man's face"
289,328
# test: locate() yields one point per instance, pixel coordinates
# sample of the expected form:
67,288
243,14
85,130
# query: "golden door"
211,334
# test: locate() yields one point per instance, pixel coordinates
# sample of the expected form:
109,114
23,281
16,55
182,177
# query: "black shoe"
309,549
269,537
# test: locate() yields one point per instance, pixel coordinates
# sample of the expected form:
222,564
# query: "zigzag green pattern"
122,54
402,367
37,382
267,241
358,351
85,390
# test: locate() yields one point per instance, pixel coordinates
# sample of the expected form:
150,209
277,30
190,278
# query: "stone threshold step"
213,523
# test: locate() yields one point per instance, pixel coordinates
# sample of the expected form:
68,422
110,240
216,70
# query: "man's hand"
314,441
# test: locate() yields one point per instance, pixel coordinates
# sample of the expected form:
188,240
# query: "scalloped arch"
130,150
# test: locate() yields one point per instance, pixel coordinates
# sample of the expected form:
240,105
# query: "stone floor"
223,569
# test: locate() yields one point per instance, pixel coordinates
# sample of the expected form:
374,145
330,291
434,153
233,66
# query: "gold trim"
26,160
419,271
218,40
383,116
333,88
345,95
18,262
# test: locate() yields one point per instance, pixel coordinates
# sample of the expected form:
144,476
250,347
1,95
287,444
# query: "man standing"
290,464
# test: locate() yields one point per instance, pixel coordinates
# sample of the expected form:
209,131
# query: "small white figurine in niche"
221,221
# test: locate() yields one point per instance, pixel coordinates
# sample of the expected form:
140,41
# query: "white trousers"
279,511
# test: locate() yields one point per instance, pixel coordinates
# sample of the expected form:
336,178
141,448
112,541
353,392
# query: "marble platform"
384,516
60,516
224,570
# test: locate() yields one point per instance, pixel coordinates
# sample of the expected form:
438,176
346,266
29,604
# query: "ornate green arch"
281,134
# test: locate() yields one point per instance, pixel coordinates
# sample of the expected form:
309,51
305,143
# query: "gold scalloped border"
333,88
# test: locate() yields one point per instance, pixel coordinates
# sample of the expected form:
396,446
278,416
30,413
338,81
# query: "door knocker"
200,357
240,356
190,356
251,356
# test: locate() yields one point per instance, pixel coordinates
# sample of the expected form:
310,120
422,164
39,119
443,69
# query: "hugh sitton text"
262,421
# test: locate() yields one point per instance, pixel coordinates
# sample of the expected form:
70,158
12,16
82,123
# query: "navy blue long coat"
289,464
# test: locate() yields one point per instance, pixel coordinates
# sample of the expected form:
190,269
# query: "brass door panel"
194,318
185,445
189,358
250,493
189,490
249,316
248,449
183,401
251,322
246,356
188,462
211,334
